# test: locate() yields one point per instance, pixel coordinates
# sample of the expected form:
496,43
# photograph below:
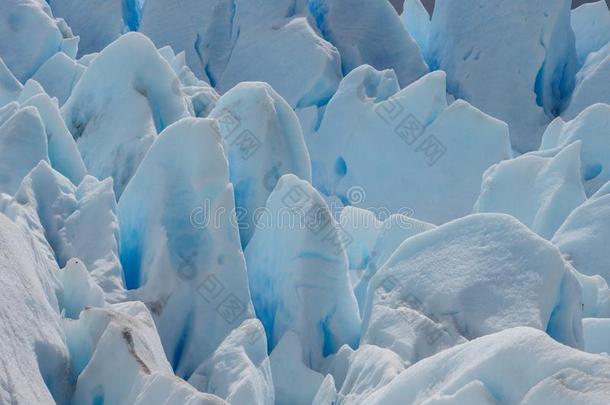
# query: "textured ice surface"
591,25
596,332
183,255
239,370
404,149
591,128
295,383
514,60
115,123
29,35
77,221
97,22
263,141
10,88
416,20
34,354
353,27
474,276
276,43
591,83
298,272
119,358
58,76
549,185
584,236
23,143
304,202
499,368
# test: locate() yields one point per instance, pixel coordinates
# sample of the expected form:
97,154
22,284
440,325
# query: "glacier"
304,202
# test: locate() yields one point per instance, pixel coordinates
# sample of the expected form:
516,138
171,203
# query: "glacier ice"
591,25
263,141
239,371
515,60
591,83
499,368
596,332
182,256
413,137
294,382
353,27
477,275
374,241
23,143
123,337
298,272
416,20
29,35
304,202
590,127
62,150
58,76
97,22
79,291
584,236
549,183
142,97
191,26
366,370
67,216
277,44
34,353
10,88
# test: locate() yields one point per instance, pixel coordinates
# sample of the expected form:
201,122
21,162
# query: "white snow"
516,366
478,275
